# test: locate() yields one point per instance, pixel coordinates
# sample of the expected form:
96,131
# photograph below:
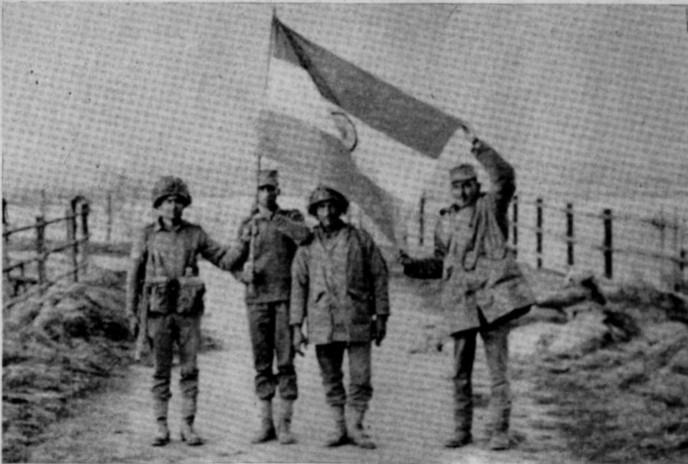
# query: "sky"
587,101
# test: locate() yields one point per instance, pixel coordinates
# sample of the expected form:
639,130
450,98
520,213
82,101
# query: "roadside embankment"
58,347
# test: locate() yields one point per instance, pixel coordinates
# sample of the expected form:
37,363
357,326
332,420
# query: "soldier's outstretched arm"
500,171
293,225
224,257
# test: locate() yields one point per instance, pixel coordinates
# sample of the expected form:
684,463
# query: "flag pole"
259,155
271,41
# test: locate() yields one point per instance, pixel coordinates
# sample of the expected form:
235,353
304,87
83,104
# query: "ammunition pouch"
182,296
190,294
159,292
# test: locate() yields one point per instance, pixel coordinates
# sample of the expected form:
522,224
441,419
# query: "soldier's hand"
403,258
380,330
468,132
247,273
299,341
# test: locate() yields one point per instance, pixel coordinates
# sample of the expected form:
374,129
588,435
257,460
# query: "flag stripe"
380,105
305,152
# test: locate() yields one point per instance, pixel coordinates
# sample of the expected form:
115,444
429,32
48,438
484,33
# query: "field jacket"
478,270
339,286
274,239
164,259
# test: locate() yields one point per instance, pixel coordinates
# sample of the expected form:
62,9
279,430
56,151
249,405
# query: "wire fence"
614,244
25,261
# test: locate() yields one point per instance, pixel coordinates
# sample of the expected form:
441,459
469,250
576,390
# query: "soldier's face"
465,193
267,195
171,208
327,214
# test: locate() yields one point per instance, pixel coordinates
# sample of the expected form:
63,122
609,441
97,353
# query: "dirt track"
409,418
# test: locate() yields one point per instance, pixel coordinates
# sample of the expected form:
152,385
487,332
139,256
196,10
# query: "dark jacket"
275,239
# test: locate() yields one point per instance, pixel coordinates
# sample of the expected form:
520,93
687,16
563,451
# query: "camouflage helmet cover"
323,193
167,186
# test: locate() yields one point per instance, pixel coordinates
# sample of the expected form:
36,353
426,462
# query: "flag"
317,107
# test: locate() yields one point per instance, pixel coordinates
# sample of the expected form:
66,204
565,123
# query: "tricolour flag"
316,106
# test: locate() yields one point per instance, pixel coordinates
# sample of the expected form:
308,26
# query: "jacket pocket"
319,303
360,305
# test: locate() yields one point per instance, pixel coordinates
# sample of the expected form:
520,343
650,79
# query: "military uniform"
340,286
268,242
483,287
163,285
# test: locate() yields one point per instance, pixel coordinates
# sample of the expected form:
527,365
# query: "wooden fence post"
73,251
44,204
40,250
109,217
538,232
6,238
514,224
5,215
569,235
6,284
84,235
421,219
607,244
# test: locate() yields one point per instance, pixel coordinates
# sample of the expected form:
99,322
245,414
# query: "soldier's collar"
159,225
267,214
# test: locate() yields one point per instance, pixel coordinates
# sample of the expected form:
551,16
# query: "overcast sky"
584,100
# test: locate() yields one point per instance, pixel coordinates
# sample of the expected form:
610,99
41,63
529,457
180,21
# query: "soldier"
268,240
483,287
339,285
165,299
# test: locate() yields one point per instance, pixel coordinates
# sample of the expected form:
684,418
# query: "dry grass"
55,348
626,402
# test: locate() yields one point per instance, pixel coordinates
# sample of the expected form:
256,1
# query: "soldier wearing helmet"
165,299
268,239
340,287
483,288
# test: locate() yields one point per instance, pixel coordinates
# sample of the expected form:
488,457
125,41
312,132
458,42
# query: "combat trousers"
165,331
330,358
270,339
495,339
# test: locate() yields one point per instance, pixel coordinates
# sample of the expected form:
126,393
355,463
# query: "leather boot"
500,430
188,434
463,419
284,434
338,436
458,439
357,431
267,427
162,435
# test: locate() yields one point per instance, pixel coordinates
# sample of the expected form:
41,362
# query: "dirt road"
409,418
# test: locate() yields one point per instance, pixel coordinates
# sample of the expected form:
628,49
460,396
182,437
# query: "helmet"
167,186
322,193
